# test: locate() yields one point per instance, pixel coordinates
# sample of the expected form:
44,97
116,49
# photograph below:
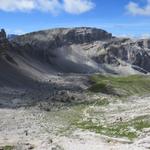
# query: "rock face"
11,74
144,43
125,50
2,34
11,36
76,50
4,44
60,45
59,37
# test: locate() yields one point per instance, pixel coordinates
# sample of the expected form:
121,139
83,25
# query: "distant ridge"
11,36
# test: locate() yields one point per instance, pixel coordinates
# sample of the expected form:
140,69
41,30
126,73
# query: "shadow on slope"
23,87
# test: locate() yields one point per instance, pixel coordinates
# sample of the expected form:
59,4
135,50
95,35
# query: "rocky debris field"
115,125
87,121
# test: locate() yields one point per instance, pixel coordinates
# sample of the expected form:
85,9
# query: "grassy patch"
141,122
118,130
66,117
120,86
128,129
102,102
7,147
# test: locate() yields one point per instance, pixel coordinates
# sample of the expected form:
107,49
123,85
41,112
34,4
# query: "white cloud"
78,6
13,5
52,6
18,32
145,36
15,31
135,9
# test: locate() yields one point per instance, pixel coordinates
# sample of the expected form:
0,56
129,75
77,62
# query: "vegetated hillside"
121,86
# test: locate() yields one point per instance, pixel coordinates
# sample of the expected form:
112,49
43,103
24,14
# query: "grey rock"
11,36
126,50
62,36
144,43
72,50
4,44
2,34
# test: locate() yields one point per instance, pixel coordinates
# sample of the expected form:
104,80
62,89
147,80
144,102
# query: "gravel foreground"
47,125
24,129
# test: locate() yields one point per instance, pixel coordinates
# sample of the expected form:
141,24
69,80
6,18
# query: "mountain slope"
63,49
35,56
85,50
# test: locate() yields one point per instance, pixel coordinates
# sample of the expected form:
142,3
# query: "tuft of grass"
113,131
7,147
129,129
102,102
120,86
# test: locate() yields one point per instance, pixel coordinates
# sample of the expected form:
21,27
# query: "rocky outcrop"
4,44
59,37
2,35
144,43
11,36
125,50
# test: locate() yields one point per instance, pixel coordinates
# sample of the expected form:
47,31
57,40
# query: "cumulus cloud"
52,6
18,32
12,5
145,36
135,9
78,6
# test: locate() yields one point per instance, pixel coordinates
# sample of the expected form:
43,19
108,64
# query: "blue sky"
120,17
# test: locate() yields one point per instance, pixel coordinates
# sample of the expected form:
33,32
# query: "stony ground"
107,123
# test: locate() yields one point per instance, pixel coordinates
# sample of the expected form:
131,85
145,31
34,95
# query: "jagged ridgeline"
87,49
58,37
75,50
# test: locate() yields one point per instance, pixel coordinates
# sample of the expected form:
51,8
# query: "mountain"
65,36
86,50
63,50
11,72
11,36
74,82
125,51
34,56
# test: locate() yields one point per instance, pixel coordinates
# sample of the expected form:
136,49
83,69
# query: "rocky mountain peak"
4,43
81,50
63,36
2,34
